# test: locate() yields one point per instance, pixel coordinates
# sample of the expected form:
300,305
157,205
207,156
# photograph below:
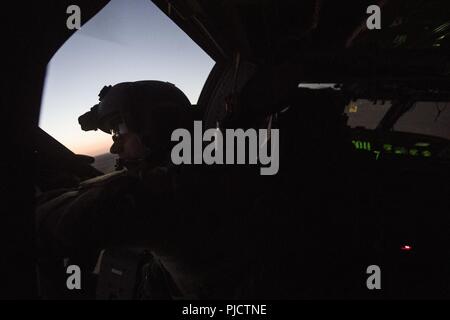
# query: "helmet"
151,109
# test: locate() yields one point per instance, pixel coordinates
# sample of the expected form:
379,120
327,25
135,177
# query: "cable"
440,110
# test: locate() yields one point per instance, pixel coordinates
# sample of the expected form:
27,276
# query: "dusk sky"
128,40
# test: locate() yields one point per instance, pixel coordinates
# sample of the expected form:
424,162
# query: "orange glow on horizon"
93,150
91,146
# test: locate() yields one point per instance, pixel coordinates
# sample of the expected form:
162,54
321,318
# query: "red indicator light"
405,248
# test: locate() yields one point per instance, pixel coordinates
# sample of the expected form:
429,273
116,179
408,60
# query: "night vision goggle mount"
92,120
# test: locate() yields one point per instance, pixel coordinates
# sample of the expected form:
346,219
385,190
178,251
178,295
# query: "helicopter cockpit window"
426,117
125,41
366,114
